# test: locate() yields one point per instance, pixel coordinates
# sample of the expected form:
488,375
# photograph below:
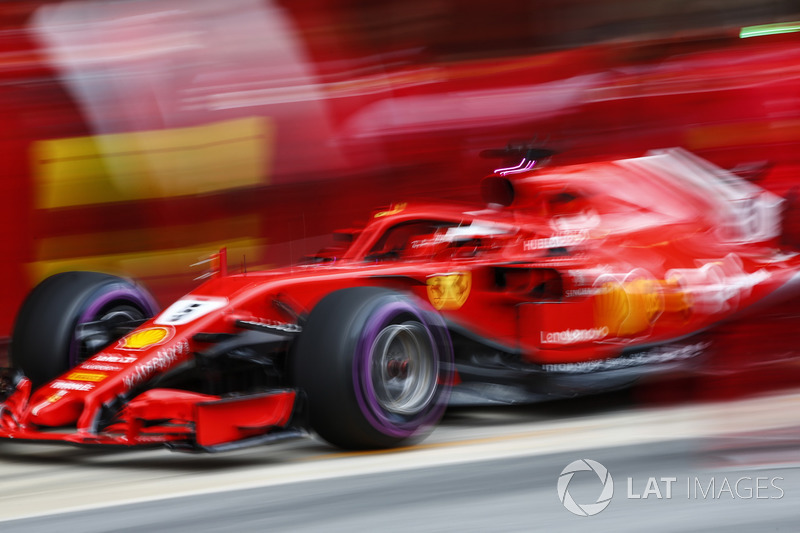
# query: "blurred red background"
140,136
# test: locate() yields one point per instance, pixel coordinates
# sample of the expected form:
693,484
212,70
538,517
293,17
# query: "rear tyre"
46,341
376,366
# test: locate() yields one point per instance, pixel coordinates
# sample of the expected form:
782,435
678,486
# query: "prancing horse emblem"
449,291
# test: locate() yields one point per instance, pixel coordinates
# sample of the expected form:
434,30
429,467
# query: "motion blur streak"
142,117
139,136
769,29
150,164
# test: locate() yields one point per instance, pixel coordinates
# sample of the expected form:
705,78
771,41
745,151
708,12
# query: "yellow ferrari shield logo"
449,291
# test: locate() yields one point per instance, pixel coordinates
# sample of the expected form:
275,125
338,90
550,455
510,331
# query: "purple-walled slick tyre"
376,366
44,342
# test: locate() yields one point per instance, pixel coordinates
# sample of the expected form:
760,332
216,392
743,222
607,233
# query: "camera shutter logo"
586,509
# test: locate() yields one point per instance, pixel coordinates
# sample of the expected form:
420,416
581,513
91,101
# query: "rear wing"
748,213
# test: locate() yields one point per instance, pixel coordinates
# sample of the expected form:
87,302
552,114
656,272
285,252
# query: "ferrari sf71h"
571,279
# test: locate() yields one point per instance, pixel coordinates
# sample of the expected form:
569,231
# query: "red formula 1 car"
572,279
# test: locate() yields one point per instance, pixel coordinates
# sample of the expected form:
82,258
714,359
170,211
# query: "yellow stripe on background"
152,239
152,164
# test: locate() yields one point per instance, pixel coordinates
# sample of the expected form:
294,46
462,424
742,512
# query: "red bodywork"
364,119
571,272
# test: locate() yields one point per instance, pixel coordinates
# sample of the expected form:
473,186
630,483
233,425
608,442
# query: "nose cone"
54,408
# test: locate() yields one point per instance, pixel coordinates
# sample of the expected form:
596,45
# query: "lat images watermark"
606,493
709,488
660,488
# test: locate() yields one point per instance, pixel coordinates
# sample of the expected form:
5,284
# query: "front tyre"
376,366
47,340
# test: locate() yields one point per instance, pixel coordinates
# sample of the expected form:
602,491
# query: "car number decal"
188,310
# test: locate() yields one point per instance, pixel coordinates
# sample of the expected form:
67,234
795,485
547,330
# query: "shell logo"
144,338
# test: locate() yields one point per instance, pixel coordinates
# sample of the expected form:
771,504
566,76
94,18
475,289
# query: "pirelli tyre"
70,316
376,366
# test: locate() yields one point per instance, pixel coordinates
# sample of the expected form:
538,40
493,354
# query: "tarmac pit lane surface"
482,469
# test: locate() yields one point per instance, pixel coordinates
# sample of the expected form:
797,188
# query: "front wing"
177,419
